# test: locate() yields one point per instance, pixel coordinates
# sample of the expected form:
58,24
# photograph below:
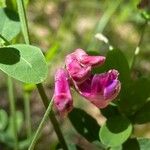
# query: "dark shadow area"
131,144
76,147
143,115
12,15
84,124
117,124
110,111
9,56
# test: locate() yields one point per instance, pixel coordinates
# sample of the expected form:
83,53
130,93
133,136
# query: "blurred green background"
58,27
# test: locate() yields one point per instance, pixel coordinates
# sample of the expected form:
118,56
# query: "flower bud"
62,95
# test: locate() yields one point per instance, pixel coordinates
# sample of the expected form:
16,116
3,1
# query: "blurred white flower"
101,37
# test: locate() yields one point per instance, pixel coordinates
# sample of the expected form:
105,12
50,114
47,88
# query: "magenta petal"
79,53
88,60
100,89
62,95
111,91
93,60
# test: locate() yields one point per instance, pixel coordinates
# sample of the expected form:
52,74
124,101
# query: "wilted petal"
100,89
79,64
92,60
62,95
88,60
76,70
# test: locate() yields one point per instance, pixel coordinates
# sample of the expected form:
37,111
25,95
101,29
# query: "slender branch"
13,111
27,113
137,49
25,30
38,131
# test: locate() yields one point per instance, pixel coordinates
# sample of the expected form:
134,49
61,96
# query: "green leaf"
11,4
115,59
144,143
6,139
2,3
52,52
23,62
3,119
19,122
115,131
24,144
9,24
116,148
146,15
84,124
134,96
143,115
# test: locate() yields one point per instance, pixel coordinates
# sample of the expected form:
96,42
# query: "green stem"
23,19
13,111
137,49
52,117
25,30
3,38
27,113
38,131
104,21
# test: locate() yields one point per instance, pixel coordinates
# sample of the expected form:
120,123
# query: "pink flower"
100,89
79,64
62,95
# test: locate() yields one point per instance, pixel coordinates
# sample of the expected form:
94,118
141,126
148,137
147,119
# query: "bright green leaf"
23,62
116,148
115,131
2,3
9,24
146,15
11,4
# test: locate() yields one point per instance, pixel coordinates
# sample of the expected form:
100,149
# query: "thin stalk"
23,19
137,49
25,30
52,117
3,38
38,131
27,113
13,111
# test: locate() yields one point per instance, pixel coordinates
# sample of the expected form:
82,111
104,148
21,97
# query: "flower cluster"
99,89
